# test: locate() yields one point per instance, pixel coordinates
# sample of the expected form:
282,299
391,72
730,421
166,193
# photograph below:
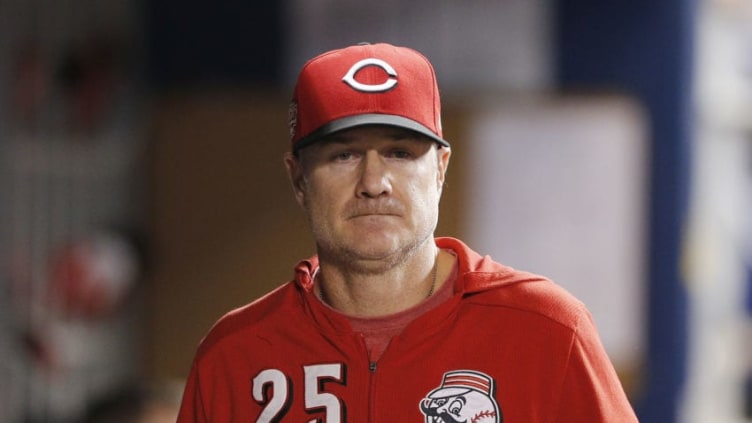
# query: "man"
386,323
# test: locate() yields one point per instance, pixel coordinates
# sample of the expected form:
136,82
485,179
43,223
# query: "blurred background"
605,144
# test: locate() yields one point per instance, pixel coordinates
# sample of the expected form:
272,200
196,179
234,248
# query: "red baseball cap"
365,84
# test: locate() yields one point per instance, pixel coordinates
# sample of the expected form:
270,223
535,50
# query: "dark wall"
645,48
195,42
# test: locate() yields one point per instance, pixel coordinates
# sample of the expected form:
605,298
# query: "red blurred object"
91,278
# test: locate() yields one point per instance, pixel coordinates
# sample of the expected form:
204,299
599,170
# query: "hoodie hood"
475,273
481,273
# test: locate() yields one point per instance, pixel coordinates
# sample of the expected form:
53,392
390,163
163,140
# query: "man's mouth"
391,208
373,215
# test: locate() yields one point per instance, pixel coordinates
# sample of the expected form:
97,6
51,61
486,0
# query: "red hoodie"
508,346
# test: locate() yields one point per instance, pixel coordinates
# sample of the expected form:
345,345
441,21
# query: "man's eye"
343,155
400,154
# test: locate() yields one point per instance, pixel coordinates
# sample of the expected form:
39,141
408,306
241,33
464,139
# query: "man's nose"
374,176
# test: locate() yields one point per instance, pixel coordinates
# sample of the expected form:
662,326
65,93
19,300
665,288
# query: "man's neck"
396,289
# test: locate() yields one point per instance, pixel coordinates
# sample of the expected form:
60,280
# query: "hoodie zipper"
372,365
372,368
372,391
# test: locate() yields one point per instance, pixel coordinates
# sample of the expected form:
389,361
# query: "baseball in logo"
465,396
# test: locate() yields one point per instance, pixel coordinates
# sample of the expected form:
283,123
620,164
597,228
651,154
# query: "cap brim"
366,119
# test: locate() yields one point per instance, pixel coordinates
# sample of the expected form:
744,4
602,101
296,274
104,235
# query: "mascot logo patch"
465,396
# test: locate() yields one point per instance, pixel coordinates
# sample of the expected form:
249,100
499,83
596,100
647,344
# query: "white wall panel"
558,187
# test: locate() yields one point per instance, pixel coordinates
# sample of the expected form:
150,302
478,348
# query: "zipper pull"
372,366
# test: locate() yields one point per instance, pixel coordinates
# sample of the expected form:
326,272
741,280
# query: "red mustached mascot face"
464,396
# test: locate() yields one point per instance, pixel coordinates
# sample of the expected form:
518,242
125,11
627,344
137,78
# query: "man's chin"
372,228
375,253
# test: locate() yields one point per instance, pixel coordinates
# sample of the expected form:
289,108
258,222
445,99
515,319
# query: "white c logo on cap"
387,85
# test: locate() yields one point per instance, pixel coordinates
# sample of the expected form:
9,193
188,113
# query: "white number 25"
276,406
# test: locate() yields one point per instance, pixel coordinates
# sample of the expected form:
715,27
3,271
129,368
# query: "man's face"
371,193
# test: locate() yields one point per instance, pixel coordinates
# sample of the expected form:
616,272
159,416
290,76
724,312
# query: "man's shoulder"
535,295
486,281
262,312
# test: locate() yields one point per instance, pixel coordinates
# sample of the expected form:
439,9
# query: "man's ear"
443,155
295,173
